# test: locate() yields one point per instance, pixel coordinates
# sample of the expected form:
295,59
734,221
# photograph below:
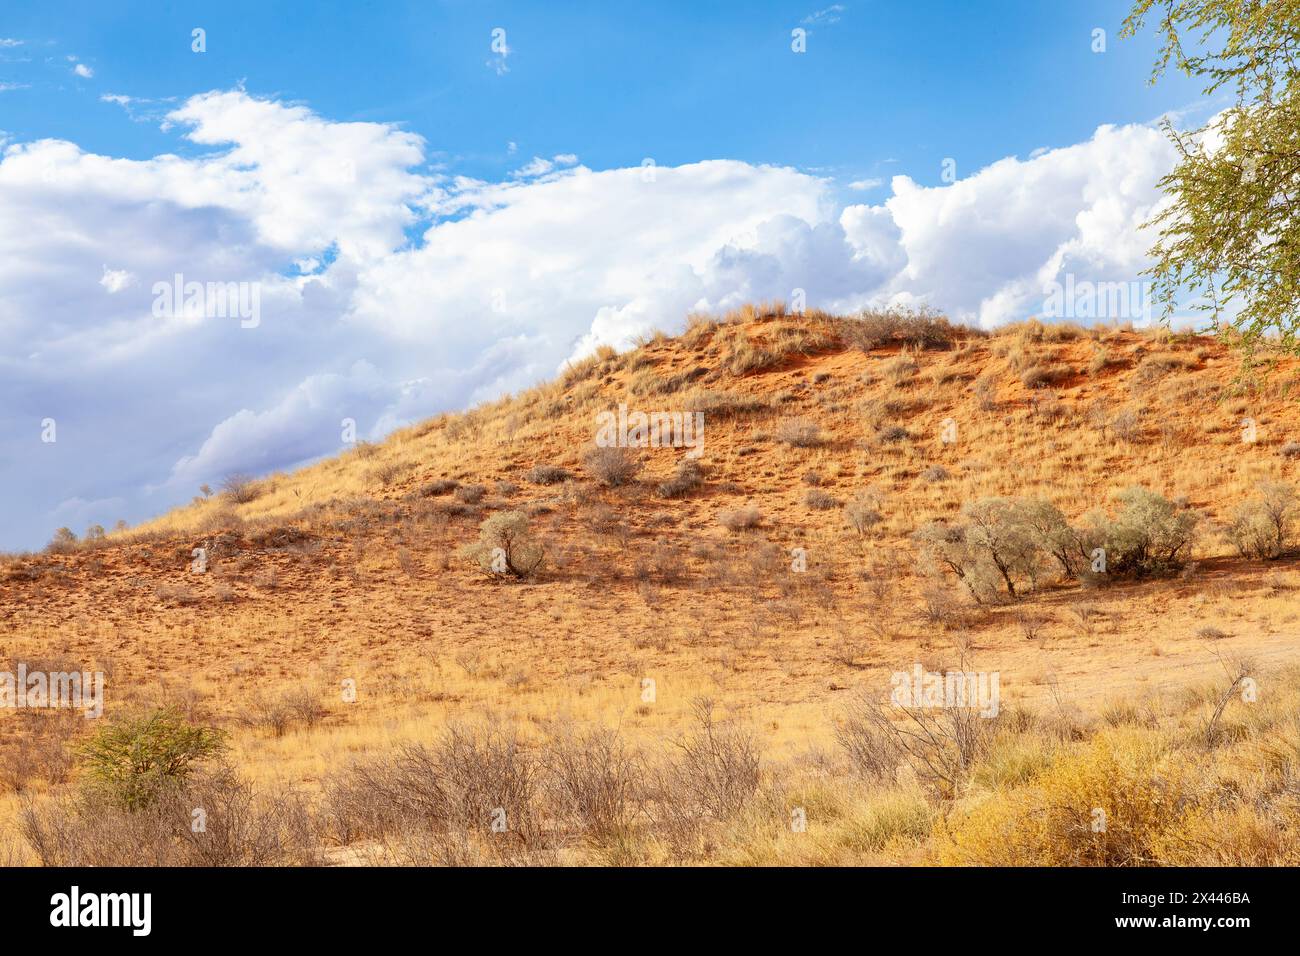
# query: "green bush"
136,761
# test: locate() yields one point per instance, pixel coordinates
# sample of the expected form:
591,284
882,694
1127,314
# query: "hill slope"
350,572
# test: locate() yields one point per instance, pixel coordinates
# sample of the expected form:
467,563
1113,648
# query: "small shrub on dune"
863,514
440,486
689,476
1149,535
548,475
1041,376
506,547
722,404
920,329
470,494
612,466
798,433
64,541
742,519
899,369
820,500
240,489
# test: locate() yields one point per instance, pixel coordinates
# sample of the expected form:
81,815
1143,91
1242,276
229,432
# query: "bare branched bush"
1264,526
472,795
595,780
940,745
713,776
612,465
35,746
240,488
213,819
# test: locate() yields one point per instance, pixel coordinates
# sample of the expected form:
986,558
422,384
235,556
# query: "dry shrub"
820,500
440,486
688,477
472,796
722,404
1127,425
863,513
1041,376
940,745
611,465
213,819
278,714
1155,367
744,356
506,546
899,369
470,494
920,329
717,767
712,777
742,519
547,475
1101,360
985,392
798,433
663,564
387,473
36,745
606,522
595,779
240,488
1263,526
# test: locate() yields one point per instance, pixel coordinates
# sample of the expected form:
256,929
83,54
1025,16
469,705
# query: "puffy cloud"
115,280
389,292
985,247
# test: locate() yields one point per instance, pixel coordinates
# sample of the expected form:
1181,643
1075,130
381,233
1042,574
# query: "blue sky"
426,223
884,87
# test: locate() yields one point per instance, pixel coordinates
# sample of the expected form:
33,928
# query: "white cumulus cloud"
389,292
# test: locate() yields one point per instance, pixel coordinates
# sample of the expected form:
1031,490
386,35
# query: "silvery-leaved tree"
1229,239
